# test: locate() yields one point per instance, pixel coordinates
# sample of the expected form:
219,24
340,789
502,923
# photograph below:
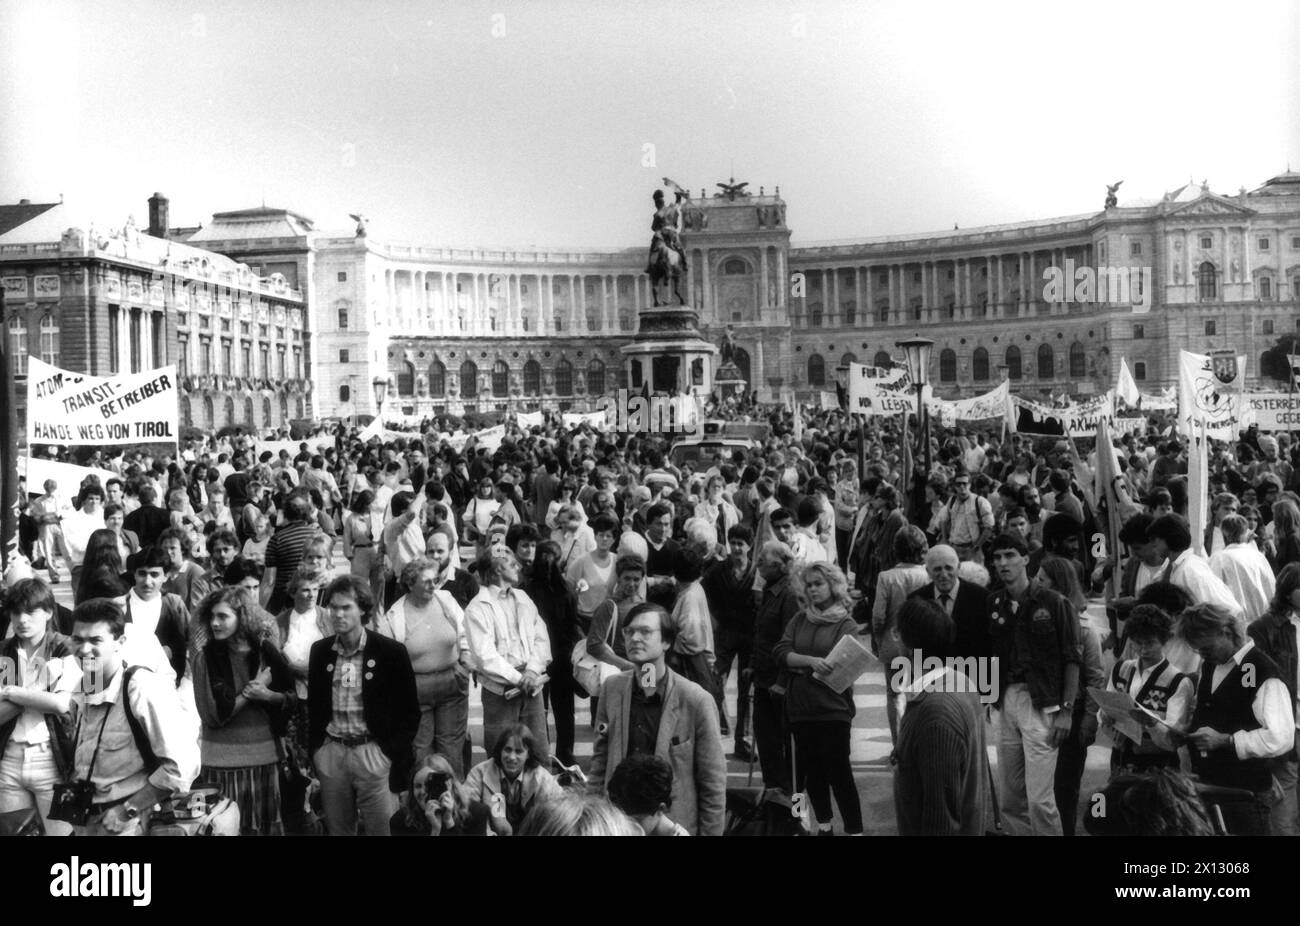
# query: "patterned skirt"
256,788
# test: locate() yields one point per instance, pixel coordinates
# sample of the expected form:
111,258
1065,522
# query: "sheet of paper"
1120,708
848,659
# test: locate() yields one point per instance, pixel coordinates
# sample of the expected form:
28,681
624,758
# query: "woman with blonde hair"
820,718
437,804
574,814
244,692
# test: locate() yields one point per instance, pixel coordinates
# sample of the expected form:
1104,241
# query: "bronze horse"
665,265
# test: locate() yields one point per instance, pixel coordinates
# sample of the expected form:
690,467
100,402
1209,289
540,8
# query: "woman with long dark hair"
558,608
1286,534
243,691
511,780
101,550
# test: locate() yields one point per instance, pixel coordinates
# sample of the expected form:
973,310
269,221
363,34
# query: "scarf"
832,615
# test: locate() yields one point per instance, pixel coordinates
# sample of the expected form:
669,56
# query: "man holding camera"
135,745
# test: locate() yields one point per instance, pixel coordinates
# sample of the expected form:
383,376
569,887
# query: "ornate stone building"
465,329
106,301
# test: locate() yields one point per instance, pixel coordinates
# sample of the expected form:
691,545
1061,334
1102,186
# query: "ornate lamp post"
916,352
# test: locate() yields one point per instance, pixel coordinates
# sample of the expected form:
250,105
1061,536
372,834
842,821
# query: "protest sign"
68,408
1076,420
1273,411
1210,394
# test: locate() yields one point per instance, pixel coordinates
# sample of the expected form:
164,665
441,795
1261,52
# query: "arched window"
345,393
564,378
947,365
1046,362
266,413
735,266
302,408
532,378
406,379
187,416
500,379
1078,361
595,377
284,409
209,414
18,344
469,379
1013,363
230,409
848,358
816,370
437,380
248,413
1207,282
50,339
980,365
882,360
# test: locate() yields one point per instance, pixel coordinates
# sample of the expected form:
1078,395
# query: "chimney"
158,215
24,202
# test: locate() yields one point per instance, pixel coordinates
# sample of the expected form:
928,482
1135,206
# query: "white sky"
873,118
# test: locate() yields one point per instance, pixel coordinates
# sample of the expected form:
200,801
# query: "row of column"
773,280
899,288
427,302
134,333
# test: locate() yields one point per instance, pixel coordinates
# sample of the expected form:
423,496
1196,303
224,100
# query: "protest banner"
69,408
991,404
578,419
1210,393
876,392
1076,420
69,477
530,419
1273,411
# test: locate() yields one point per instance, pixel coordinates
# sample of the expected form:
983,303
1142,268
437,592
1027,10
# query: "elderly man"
965,602
653,710
777,606
509,649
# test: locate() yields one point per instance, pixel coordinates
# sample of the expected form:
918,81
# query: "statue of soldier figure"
667,260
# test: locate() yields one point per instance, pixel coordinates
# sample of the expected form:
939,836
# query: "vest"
1228,710
1154,695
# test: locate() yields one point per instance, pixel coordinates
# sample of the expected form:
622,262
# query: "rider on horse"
666,226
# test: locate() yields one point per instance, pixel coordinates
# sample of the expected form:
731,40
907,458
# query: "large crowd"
300,634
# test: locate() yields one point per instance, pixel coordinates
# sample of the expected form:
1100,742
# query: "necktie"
946,600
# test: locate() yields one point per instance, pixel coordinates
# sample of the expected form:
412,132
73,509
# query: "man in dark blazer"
965,602
652,709
362,714
148,521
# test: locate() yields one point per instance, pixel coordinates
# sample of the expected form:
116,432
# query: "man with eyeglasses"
966,522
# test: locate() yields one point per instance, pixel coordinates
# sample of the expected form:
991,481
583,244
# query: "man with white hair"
692,654
965,602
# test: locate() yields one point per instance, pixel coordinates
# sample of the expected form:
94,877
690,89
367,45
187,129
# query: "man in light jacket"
510,649
651,709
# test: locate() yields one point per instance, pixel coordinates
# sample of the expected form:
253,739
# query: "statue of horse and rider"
667,258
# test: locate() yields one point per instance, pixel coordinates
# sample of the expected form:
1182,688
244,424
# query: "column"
892,295
579,302
1001,310
870,274
858,320
1022,305
762,283
936,307
442,324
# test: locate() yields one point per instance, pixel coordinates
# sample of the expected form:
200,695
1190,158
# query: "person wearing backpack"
966,522
134,744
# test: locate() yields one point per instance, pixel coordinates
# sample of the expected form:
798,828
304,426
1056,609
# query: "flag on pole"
1211,394
1198,488
904,482
1126,388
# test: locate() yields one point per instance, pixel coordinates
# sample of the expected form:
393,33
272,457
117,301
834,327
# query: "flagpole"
9,500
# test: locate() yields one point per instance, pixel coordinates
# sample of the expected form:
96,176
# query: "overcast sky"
549,123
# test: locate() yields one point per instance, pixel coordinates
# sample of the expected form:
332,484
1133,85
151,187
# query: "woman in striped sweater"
244,692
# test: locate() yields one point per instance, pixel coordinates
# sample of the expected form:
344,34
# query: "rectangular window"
225,324
1139,332
343,276
1268,326
1139,370
114,349
343,356
1135,249
1265,288
225,358
205,356
1295,243
205,322
266,362
279,365
297,363
246,360
1207,242
245,328
279,334
1210,328
916,278
1263,244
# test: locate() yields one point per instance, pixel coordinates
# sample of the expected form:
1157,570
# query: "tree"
1273,363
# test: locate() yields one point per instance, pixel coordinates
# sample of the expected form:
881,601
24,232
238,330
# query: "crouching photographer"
135,746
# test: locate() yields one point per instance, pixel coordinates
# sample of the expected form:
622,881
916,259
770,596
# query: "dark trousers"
733,647
1071,758
822,750
770,738
559,694
842,541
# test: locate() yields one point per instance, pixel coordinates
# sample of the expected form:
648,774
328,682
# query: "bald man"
965,602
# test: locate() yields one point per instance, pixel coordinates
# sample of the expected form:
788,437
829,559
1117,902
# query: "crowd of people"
302,634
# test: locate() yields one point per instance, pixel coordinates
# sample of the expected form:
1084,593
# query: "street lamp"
380,386
916,353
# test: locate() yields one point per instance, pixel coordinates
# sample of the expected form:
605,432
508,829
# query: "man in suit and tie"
965,602
651,709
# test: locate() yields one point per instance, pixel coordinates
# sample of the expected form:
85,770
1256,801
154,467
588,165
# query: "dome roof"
1284,184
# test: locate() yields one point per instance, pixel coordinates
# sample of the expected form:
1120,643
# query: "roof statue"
1111,199
361,223
732,190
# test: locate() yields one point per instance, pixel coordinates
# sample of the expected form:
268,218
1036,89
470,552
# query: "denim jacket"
1042,630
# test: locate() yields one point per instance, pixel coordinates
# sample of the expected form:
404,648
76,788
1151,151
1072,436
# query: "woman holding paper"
820,718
